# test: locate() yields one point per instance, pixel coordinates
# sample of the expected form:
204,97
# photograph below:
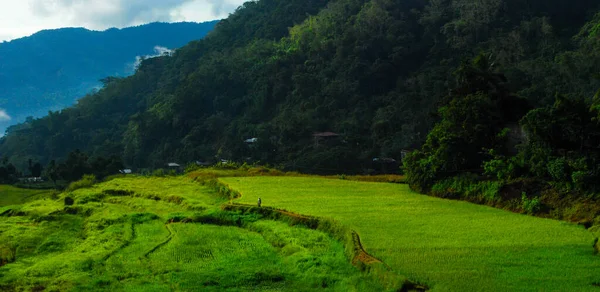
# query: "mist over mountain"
52,68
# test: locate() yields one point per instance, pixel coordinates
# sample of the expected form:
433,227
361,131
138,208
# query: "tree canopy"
372,72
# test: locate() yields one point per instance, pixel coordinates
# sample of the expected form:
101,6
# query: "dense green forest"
52,68
372,72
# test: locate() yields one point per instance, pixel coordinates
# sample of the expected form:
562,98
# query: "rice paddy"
127,235
14,196
171,234
449,245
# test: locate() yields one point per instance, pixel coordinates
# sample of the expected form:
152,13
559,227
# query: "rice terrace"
203,232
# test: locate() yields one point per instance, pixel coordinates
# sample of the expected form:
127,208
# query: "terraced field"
14,196
155,234
449,245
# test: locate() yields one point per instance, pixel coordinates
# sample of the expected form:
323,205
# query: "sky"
19,18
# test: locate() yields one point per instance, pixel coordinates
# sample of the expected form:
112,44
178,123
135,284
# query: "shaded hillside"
50,69
370,72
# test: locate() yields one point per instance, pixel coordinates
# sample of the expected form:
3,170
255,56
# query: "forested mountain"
50,69
367,75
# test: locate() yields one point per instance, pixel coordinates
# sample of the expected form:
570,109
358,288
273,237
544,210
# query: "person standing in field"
259,202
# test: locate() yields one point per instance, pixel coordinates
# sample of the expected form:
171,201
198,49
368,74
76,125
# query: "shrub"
531,206
467,186
558,169
87,181
139,218
191,167
96,197
497,168
580,179
159,173
421,171
227,165
69,201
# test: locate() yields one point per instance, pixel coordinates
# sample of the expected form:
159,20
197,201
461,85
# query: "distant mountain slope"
52,68
373,72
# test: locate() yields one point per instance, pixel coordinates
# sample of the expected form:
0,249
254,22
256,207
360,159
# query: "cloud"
4,116
107,13
25,17
221,7
158,50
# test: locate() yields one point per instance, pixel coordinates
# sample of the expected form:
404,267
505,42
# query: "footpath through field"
448,245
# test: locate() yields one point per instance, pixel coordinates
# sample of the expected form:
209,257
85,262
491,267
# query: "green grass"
449,245
118,236
10,195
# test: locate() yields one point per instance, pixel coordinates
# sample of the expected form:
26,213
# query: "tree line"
373,72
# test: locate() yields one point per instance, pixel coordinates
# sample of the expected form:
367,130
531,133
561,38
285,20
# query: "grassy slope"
122,243
450,245
14,196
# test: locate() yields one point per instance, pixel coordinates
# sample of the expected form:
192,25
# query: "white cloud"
158,51
4,116
20,18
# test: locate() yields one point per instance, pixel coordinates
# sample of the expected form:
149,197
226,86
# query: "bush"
497,168
96,197
69,201
191,167
159,173
421,171
558,170
227,165
467,186
87,181
531,206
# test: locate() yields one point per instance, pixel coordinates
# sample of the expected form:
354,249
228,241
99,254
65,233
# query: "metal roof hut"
174,167
324,136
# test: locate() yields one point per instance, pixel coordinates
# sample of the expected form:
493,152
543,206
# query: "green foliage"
467,186
280,71
531,206
86,181
69,201
8,172
563,141
473,120
558,169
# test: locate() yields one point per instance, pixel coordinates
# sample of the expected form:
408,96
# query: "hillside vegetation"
447,245
373,72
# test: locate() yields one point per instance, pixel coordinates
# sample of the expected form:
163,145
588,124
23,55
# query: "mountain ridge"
51,68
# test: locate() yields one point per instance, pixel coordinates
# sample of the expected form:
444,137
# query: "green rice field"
171,234
125,235
14,196
448,245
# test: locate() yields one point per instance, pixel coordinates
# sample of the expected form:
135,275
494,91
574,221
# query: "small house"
126,171
172,166
203,163
324,136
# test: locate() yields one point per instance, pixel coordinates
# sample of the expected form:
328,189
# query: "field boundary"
165,242
350,238
355,251
122,246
